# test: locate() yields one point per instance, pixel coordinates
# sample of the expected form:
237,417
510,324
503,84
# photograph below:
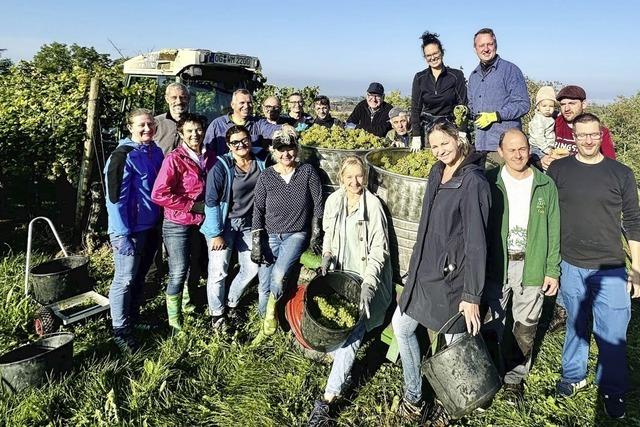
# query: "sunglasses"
241,143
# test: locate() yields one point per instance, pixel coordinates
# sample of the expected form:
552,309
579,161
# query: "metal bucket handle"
29,235
446,326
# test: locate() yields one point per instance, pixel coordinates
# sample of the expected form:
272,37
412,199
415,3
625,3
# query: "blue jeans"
126,293
283,252
603,295
183,243
343,361
236,234
404,329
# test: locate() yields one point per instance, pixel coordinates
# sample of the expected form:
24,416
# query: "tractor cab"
211,77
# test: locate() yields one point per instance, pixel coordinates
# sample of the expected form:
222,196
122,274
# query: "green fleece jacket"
542,253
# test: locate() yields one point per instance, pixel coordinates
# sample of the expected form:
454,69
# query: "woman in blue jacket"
130,173
227,224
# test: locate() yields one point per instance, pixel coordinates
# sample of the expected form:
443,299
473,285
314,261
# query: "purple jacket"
180,184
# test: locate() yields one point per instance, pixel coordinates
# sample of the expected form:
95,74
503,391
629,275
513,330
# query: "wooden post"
88,154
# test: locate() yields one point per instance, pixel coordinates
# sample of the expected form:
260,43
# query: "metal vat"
402,196
327,162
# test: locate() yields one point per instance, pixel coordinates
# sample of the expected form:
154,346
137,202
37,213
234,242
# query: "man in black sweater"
372,113
595,193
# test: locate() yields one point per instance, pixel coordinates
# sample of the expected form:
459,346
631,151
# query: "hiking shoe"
614,406
513,393
320,416
217,322
558,320
235,319
409,410
435,416
125,343
567,389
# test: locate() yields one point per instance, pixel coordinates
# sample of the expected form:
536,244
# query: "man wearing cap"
242,114
176,95
372,114
400,135
598,197
573,102
322,107
498,96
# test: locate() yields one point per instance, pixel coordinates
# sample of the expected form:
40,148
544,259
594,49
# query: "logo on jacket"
540,206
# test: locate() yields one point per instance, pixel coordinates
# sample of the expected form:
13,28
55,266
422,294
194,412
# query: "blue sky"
342,46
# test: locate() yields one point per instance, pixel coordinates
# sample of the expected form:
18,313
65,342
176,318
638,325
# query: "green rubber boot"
187,307
270,318
174,311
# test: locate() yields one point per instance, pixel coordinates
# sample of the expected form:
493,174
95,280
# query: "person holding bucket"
179,189
355,239
287,203
129,173
447,267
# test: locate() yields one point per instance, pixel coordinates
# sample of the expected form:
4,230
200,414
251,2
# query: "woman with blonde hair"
355,239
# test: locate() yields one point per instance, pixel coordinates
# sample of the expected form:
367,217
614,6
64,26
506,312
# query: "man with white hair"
242,114
177,97
400,135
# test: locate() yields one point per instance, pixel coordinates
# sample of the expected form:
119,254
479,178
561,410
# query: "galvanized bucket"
327,162
30,364
402,196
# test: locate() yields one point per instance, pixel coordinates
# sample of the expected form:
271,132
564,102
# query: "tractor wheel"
46,322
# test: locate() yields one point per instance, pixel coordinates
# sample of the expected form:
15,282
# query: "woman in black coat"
436,90
447,268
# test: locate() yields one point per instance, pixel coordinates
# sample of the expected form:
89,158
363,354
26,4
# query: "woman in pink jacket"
179,189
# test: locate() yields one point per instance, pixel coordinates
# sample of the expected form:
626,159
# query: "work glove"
366,295
350,125
460,113
256,247
198,207
484,120
125,246
416,144
315,243
326,263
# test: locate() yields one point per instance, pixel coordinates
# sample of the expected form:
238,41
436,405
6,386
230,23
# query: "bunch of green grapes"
417,165
336,312
339,138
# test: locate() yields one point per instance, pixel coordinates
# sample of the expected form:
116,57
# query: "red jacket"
180,184
564,139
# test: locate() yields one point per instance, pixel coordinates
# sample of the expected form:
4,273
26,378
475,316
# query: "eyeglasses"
241,143
595,136
374,96
271,107
433,57
296,102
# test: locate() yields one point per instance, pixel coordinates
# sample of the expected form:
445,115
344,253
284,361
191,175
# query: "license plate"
236,60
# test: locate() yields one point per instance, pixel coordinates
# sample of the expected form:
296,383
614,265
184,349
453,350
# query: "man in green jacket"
523,254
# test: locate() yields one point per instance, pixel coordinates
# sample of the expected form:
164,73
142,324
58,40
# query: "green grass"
201,378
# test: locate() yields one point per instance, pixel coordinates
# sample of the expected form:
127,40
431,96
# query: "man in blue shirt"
498,95
242,114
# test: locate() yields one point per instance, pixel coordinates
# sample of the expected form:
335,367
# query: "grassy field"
201,378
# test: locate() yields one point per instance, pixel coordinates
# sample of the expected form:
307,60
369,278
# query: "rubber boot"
270,318
187,307
174,311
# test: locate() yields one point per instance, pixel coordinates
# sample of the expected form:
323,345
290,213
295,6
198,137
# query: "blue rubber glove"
124,246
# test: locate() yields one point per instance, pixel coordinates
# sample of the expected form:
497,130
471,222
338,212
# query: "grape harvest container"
327,162
402,197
